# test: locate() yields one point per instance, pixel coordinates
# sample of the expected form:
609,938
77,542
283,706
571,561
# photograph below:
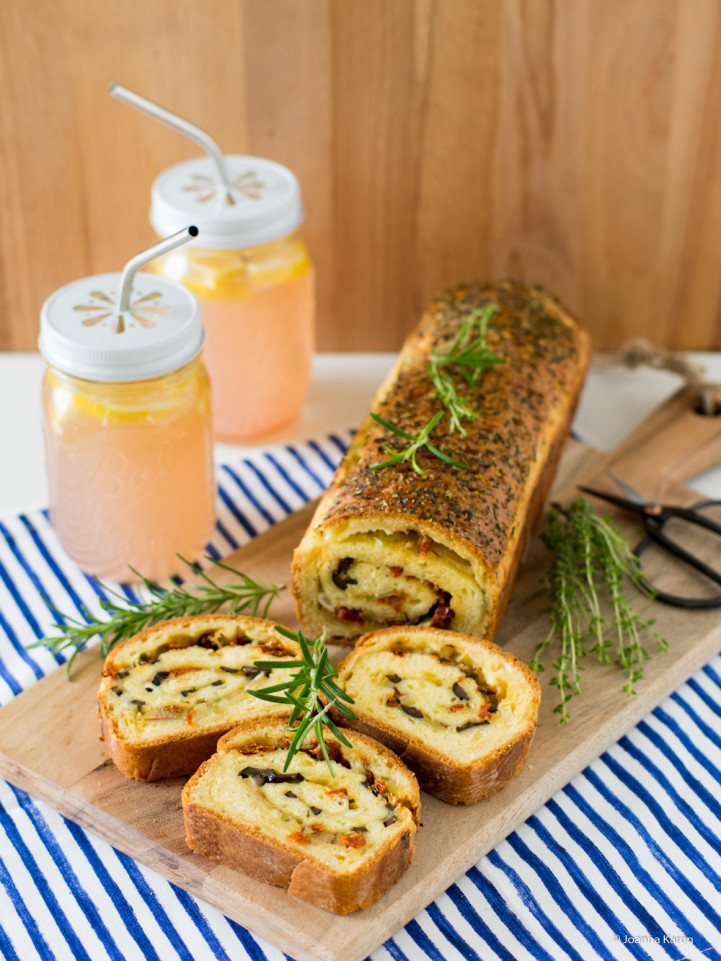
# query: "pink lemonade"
130,470
259,351
258,310
250,270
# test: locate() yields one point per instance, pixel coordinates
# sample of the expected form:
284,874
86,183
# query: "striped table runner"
624,862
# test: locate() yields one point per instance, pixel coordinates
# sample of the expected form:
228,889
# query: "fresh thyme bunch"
590,556
313,683
127,619
468,356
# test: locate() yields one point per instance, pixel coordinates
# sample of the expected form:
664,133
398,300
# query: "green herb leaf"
417,444
126,620
469,356
590,563
312,681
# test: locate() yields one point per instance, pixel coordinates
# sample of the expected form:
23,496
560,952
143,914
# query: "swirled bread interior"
390,576
341,825
445,702
184,679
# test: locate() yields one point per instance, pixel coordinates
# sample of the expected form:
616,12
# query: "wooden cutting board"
49,743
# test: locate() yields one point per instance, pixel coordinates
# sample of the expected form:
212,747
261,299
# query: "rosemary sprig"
313,683
417,443
448,395
470,356
469,351
125,620
590,556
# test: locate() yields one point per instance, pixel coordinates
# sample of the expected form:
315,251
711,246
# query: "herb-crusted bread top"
546,355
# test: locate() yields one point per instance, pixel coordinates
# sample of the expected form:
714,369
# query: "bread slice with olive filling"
339,841
170,692
456,709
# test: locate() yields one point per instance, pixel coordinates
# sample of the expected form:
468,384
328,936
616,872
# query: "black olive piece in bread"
459,711
339,842
170,692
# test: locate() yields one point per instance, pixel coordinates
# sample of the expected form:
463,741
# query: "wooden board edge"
92,818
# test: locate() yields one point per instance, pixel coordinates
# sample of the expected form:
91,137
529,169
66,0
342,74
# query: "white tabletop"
615,400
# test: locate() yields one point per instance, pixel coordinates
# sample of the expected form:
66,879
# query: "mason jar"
252,274
127,423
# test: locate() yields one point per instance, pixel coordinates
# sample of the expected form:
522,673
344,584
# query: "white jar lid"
266,202
83,334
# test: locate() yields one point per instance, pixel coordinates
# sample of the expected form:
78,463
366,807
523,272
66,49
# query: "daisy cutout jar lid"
122,326
262,204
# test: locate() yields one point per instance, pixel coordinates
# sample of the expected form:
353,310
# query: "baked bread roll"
339,842
457,710
390,547
170,692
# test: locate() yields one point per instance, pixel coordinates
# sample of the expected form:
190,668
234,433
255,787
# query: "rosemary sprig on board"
590,558
126,620
312,683
417,443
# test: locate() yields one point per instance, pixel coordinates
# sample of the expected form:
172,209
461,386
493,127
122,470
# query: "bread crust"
438,773
177,754
283,864
512,448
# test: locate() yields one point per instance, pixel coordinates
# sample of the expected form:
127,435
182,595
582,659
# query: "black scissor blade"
622,502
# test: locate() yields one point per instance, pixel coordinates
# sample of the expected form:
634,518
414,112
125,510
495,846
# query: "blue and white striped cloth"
624,862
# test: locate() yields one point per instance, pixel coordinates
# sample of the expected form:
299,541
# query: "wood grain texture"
49,742
577,144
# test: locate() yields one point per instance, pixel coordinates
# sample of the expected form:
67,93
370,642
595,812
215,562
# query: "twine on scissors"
637,353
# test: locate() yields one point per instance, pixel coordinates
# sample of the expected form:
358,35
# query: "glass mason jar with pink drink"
127,421
253,277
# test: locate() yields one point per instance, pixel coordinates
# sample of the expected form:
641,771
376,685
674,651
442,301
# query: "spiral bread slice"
339,841
392,547
457,710
170,692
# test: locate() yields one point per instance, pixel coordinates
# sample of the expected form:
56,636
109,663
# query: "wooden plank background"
572,142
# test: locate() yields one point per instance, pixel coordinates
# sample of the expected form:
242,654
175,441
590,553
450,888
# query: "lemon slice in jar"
68,405
222,277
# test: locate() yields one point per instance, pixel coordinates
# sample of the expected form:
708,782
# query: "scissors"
654,518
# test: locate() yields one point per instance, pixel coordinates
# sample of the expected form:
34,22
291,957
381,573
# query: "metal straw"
199,136
144,257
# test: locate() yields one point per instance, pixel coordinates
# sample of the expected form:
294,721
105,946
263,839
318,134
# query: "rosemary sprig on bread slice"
310,693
